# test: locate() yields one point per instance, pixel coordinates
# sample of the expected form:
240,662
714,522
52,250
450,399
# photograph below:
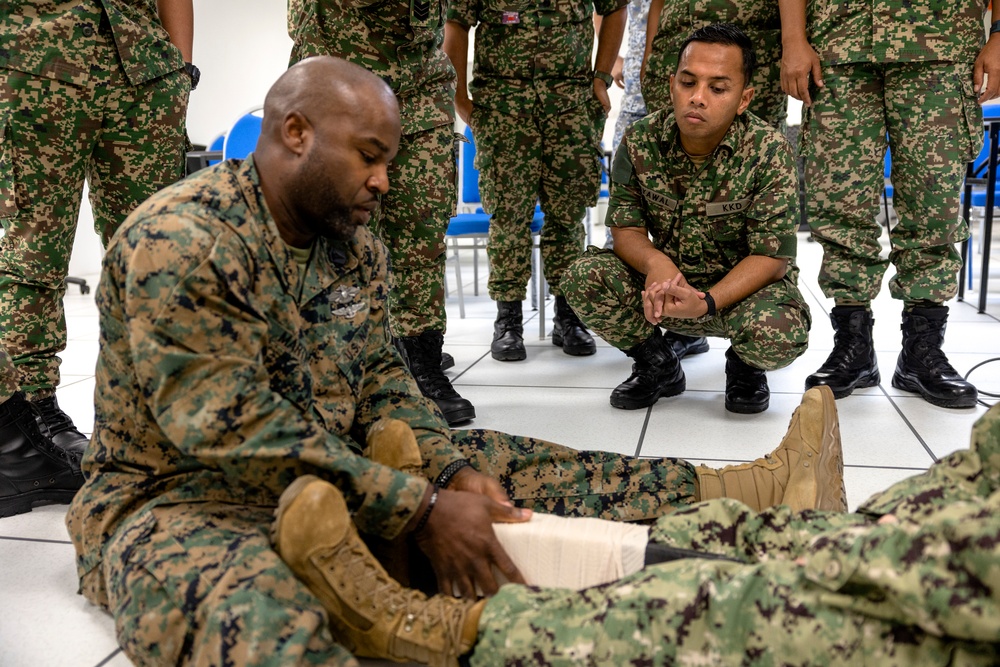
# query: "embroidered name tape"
726,207
658,199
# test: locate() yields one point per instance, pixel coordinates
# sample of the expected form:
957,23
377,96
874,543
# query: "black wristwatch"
194,73
605,77
712,312
995,27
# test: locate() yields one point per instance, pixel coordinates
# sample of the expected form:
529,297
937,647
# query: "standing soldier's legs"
508,156
200,584
844,141
571,181
935,128
412,222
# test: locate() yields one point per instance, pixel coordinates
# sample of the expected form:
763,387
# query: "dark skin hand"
475,502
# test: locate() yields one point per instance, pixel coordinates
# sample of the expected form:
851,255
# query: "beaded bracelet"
427,512
445,477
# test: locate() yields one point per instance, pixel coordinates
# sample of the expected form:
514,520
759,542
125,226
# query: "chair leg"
458,279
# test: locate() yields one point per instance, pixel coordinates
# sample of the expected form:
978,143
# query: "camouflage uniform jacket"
216,383
741,202
56,39
880,31
398,41
532,56
759,19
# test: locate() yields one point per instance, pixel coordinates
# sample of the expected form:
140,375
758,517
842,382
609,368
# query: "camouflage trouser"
816,588
554,159
412,222
8,376
768,329
200,584
126,141
769,103
934,127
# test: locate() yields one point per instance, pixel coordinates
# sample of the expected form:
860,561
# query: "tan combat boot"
806,471
391,442
370,614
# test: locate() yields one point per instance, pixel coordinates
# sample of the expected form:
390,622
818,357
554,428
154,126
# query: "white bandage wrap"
560,552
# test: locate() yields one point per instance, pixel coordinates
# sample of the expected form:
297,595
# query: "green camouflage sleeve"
389,391
625,205
774,214
197,339
605,7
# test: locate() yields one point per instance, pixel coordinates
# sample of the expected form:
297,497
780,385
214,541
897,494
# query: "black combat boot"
656,373
684,345
569,332
423,356
32,468
508,332
922,367
60,427
746,387
852,364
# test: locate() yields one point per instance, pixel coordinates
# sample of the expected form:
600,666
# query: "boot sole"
510,355
671,390
871,380
831,495
747,408
460,416
23,503
960,403
576,351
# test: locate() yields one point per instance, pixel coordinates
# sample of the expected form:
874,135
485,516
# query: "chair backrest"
468,175
242,137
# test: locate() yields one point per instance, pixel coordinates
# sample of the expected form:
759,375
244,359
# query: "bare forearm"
751,275
652,26
609,39
456,47
177,17
793,20
633,246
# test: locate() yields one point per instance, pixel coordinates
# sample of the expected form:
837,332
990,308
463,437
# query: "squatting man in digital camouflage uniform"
714,186
245,357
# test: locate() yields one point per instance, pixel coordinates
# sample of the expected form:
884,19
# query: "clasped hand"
672,298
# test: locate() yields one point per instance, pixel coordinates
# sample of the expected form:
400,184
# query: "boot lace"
41,412
369,584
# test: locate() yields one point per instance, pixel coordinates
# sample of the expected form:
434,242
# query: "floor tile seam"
853,466
109,658
909,424
15,538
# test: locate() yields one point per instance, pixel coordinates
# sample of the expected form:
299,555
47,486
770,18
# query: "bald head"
330,131
325,85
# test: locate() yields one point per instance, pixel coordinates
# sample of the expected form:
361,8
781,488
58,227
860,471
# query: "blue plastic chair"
241,140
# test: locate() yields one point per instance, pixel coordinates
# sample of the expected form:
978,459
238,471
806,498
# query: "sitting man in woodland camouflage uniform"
244,347
714,186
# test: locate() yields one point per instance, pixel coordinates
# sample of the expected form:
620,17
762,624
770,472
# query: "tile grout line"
34,539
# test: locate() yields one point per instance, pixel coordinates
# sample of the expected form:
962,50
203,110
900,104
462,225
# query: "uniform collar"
670,137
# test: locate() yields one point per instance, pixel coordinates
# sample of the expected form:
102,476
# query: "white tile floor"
887,435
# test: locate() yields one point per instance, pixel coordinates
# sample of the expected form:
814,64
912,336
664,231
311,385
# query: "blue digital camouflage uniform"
633,106
537,127
815,588
401,43
759,19
89,89
217,387
896,73
741,202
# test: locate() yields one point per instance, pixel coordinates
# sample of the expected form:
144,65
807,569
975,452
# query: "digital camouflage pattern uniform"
904,69
759,19
216,388
815,588
401,43
89,89
741,202
537,127
8,376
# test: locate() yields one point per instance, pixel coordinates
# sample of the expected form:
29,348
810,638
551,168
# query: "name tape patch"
726,207
658,199
510,18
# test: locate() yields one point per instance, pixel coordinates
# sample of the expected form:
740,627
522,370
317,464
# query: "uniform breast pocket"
728,235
